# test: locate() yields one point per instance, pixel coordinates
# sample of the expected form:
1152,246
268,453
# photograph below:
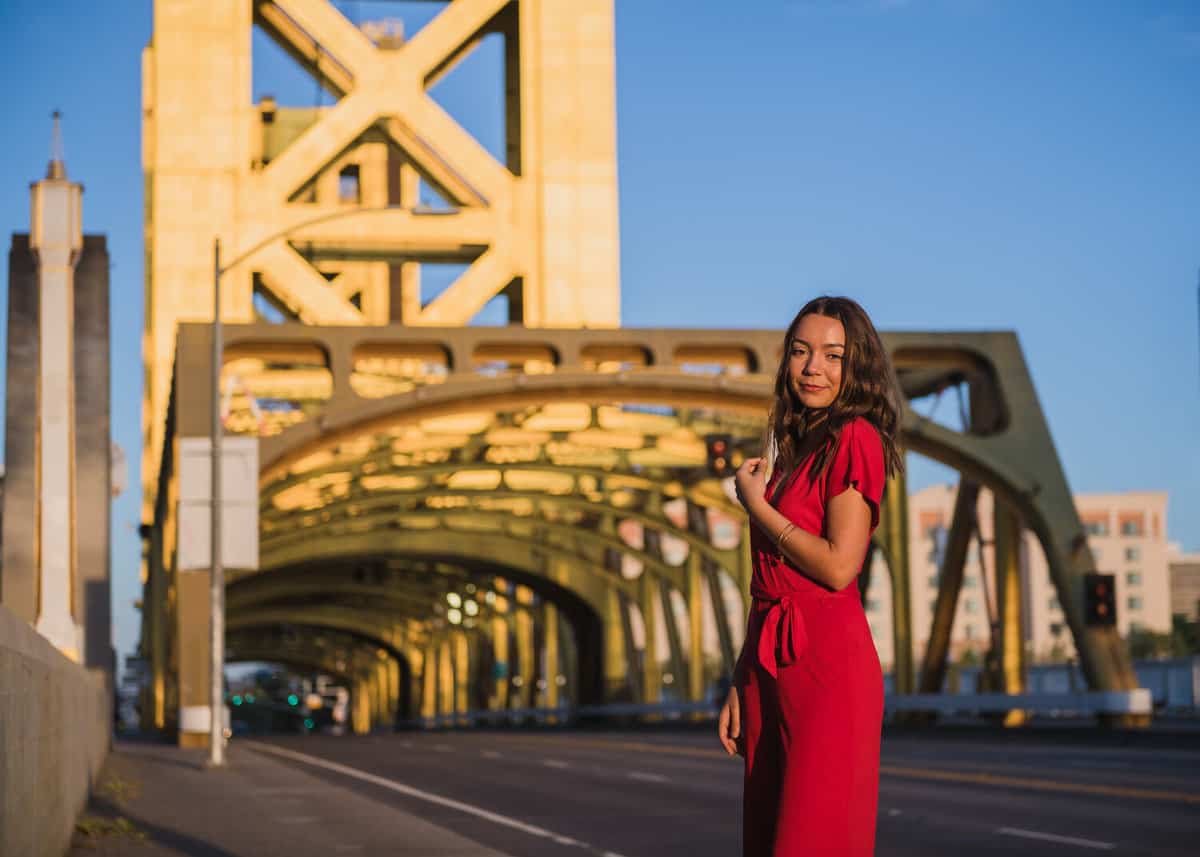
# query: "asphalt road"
676,794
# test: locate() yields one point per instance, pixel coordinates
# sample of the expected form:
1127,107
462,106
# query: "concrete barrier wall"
55,731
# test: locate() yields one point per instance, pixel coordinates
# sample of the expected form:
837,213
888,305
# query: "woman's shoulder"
862,430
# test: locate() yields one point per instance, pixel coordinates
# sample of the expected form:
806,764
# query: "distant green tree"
1185,636
1148,645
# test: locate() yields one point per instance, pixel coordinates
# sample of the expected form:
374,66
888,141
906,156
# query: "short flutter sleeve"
858,462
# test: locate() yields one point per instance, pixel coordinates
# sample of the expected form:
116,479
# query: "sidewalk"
154,800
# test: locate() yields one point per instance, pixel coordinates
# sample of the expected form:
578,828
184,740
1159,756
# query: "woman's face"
815,364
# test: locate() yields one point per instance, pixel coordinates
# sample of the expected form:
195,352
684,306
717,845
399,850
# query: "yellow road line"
1039,785
900,771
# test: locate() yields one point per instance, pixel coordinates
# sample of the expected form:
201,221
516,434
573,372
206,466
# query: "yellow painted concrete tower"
318,209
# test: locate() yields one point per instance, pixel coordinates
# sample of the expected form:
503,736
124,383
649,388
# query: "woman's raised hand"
751,481
729,725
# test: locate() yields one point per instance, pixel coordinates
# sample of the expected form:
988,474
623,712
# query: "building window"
969,630
1097,556
872,604
968,605
933,581
1133,578
969,582
933,606
1134,602
1135,627
1131,527
1053,604
348,187
1096,528
1133,553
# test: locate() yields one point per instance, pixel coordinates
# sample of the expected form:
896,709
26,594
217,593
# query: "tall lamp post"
216,739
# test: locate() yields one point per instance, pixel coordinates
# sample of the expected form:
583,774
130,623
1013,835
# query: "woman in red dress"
806,704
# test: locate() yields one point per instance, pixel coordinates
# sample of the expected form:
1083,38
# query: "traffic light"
1099,599
719,448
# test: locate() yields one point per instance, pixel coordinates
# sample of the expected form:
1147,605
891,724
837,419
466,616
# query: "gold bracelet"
783,536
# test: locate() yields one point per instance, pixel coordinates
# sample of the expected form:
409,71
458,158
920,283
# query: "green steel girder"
381,462
1014,456
583,543
396,500
367,626
506,555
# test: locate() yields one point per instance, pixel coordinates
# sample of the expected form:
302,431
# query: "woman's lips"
809,388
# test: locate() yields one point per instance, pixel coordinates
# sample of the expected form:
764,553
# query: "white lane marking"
419,794
491,754
1053,837
647,778
442,748
892,813
555,763
402,744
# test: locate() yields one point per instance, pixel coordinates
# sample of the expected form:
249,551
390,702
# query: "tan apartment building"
1127,536
1185,583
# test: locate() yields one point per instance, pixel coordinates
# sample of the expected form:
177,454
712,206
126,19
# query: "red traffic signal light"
717,447
1099,599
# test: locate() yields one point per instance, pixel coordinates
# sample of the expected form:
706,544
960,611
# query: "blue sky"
953,164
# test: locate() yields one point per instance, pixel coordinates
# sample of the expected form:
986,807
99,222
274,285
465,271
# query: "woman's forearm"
819,558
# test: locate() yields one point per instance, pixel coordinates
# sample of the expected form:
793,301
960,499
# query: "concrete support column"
500,671
523,691
445,678
192,622
552,656
1007,540
395,692
360,707
462,673
57,239
895,524
428,699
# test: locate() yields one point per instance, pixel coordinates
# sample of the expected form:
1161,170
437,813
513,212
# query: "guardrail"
1079,704
1082,703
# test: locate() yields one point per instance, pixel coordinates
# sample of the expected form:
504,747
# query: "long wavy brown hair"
869,389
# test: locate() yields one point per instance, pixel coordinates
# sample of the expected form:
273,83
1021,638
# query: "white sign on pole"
239,497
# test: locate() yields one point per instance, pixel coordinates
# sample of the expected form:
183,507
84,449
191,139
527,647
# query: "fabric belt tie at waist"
782,628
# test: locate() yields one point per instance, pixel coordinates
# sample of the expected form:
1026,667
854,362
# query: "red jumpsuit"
810,683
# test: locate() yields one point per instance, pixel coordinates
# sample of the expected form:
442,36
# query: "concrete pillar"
429,667
360,707
503,659
462,673
40,581
523,691
551,655
194,651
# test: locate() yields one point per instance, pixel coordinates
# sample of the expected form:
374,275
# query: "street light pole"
216,735
216,738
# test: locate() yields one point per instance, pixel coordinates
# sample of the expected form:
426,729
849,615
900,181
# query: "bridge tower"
275,184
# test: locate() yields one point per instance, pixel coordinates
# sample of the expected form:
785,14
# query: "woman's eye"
835,357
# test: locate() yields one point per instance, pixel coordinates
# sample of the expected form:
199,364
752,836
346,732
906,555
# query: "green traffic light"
308,723
237,700
293,699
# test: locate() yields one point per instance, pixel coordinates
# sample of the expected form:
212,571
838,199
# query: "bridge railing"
1078,704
